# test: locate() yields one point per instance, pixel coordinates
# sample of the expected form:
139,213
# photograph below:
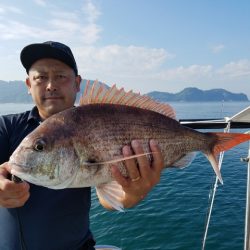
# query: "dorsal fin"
99,93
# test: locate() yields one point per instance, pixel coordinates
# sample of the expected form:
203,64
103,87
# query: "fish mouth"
19,168
24,172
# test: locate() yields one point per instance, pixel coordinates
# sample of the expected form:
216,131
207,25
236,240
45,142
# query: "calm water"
173,215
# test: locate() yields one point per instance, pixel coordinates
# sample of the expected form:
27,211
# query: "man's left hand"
143,174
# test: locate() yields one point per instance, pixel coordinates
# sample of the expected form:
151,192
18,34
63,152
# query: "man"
34,217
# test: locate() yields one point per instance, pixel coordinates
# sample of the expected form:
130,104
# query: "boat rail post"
247,215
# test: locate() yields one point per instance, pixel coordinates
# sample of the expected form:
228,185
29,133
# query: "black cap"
50,49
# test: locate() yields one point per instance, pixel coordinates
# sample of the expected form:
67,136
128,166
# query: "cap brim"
34,52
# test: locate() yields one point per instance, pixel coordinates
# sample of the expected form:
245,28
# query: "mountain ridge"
192,94
16,92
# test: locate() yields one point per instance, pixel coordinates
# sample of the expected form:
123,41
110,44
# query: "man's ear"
78,82
27,82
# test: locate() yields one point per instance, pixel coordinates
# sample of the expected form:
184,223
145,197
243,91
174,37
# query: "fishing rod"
21,237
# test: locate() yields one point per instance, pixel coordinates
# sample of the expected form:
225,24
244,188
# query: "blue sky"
144,45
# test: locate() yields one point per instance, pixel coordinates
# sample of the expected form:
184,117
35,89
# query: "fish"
76,147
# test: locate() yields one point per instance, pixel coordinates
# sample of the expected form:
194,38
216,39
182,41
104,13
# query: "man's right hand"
12,194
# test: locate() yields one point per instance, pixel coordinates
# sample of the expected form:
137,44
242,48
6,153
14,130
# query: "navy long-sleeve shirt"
50,219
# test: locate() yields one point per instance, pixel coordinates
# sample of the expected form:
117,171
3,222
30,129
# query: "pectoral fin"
112,194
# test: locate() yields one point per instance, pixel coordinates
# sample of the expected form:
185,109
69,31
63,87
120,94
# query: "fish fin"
185,161
224,141
214,162
100,93
112,194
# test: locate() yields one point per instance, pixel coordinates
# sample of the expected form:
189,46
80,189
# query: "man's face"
53,86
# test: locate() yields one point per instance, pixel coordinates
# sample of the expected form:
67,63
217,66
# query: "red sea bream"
76,147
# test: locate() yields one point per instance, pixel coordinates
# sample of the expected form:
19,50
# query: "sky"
143,45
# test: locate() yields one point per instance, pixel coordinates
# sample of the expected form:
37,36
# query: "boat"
240,120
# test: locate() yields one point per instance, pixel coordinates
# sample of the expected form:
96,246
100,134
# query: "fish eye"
39,145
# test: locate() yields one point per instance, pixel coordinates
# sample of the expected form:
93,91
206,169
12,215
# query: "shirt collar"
34,115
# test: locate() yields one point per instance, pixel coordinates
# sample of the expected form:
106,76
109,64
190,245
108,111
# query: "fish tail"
226,141
223,142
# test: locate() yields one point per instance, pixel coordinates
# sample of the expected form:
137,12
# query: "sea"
173,215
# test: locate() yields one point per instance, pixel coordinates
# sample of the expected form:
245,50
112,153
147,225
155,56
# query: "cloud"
85,28
91,30
90,34
40,2
237,69
192,73
129,61
66,25
57,25
59,30
12,30
91,12
230,72
218,48
137,62
144,69
88,30
5,9
65,15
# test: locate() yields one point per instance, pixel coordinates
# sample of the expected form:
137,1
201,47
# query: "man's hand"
143,174
12,194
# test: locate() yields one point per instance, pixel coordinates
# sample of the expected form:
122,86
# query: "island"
16,92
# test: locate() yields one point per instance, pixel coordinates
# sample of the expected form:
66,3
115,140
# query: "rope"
226,130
